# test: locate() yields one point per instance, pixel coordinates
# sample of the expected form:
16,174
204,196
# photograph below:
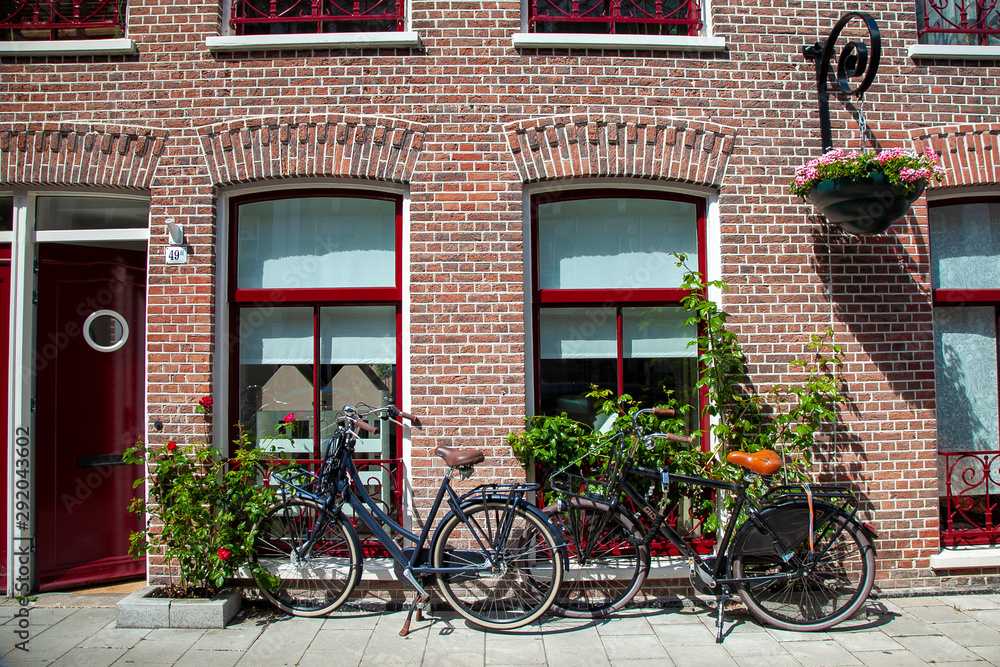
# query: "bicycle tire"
319,583
529,564
608,562
832,592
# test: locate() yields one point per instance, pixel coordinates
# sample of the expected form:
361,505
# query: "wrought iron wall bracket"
855,60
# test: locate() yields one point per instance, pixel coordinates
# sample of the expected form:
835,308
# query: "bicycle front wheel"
508,566
312,558
830,592
608,562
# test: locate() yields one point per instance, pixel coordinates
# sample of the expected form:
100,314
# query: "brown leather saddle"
460,458
765,462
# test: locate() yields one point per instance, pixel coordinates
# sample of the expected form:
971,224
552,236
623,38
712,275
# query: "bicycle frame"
351,490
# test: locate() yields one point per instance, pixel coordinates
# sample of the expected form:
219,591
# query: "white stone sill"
918,51
966,557
532,40
380,569
354,40
70,47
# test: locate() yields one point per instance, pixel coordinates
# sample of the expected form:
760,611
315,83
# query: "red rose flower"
171,446
223,553
290,417
205,402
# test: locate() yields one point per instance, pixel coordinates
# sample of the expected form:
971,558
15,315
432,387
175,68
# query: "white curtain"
358,335
578,333
965,246
657,333
614,243
271,335
316,242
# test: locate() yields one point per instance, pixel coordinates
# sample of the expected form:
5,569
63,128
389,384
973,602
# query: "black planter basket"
867,205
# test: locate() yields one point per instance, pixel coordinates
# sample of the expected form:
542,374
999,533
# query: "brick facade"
466,123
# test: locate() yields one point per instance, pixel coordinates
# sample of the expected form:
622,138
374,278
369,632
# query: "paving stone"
282,642
866,641
233,638
112,637
163,651
684,635
713,655
90,657
584,655
938,649
620,626
990,653
970,602
753,643
501,649
820,653
195,658
766,660
972,633
446,658
333,641
895,658
940,614
988,617
632,647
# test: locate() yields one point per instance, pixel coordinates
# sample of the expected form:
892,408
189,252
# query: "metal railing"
970,506
261,17
969,22
642,17
62,19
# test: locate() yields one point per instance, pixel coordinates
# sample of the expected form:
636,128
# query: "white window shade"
965,374
358,335
316,242
965,245
578,333
276,336
657,333
615,243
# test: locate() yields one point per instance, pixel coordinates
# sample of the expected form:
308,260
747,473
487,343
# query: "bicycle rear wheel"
314,583
512,566
608,563
833,591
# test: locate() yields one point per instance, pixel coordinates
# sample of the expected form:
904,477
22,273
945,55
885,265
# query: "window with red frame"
55,19
271,17
965,278
607,297
621,17
314,302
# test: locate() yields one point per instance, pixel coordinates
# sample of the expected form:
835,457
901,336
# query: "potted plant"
866,191
199,512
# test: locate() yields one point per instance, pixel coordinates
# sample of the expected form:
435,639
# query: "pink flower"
223,553
931,155
171,446
290,417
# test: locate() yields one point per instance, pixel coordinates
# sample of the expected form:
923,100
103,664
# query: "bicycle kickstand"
418,606
722,610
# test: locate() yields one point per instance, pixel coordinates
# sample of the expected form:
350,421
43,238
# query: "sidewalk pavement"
79,629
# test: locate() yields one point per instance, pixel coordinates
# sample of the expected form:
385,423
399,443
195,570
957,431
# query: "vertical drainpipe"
22,577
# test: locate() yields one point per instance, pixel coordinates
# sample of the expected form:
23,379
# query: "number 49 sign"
176,254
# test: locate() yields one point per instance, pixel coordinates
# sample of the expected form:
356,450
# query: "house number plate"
177,255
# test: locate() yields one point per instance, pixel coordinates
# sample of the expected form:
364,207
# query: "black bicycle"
796,554
494,556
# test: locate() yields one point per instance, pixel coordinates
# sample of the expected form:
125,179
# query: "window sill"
966,557
352,40
919,51
121,46
535,40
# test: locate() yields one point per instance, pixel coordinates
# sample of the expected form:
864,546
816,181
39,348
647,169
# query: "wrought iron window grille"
959,22
22,20
270,17
639,17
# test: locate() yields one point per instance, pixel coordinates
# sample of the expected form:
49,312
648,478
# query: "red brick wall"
465,122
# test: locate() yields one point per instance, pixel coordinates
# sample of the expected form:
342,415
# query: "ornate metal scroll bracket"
855,61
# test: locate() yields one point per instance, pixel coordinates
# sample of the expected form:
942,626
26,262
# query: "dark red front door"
89,359
4,365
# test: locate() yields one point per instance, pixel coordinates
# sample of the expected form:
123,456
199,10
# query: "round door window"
105,330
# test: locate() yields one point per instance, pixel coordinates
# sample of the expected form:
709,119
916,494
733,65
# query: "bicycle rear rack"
839,496
295,480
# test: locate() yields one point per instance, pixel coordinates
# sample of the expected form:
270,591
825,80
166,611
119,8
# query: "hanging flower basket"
865,205
862,191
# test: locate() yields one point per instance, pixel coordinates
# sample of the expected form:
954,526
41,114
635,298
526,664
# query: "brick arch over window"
677,150
60,154
381,149
970,153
